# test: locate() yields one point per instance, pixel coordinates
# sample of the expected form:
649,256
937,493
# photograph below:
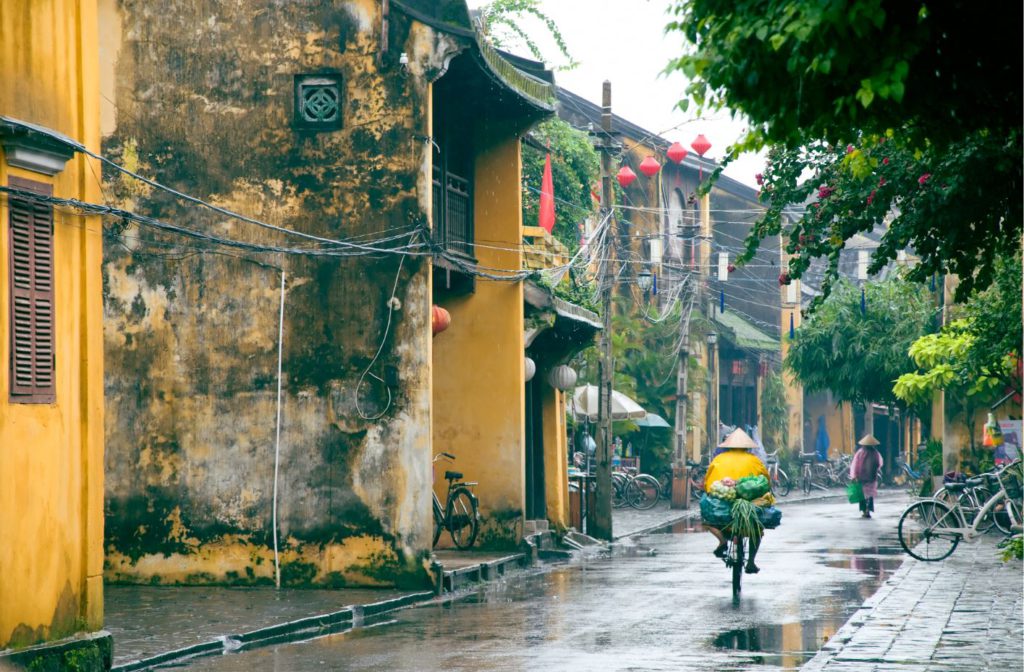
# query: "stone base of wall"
89,652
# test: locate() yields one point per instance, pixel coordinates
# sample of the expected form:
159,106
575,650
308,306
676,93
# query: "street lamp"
712,396
645,281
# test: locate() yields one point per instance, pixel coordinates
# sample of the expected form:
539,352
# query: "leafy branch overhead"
927,97
503,21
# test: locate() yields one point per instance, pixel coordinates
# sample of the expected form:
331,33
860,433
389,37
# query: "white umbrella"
584,403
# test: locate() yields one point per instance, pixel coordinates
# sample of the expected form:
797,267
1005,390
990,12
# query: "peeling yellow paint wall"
51,455
479,407
201,98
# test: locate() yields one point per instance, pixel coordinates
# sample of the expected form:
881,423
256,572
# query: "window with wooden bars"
30,272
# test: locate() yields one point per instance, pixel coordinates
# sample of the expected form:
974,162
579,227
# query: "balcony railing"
453,214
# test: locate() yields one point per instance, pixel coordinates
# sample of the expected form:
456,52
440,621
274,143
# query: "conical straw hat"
868,440
738,439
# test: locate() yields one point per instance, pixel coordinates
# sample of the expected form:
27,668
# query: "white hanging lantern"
562,378
529,369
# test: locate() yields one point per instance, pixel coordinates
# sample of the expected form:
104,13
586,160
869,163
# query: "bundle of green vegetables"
745,521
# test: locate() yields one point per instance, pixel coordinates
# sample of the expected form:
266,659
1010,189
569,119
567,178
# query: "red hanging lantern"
439,319
701,145
626,176
676,152
650,166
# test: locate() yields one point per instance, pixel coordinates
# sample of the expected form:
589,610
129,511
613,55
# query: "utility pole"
680,477
602,521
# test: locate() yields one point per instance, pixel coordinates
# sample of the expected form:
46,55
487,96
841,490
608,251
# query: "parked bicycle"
460,514
781,484
971,496
697,473
906,475
810,476
629,487
931,529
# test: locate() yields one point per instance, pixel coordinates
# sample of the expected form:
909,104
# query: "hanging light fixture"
701,145
676,152
440,319
529,369
562,377
650,166
645,281
626,176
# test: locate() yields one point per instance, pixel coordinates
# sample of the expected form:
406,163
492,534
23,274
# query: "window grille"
318,102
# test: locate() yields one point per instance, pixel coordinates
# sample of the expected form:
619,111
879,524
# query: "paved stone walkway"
964,613
150,620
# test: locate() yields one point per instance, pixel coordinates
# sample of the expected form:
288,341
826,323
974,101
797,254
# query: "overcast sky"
624,42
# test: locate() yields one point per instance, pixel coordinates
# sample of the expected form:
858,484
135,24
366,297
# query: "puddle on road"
787,645
790,645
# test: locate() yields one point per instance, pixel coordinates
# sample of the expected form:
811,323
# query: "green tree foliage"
645,370
575,167
975,357
857,355
774,414
503,21
928,95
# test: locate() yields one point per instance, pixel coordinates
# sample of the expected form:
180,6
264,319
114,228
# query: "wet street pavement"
663,603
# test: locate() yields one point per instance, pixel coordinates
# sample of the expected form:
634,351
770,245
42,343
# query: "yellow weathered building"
51,350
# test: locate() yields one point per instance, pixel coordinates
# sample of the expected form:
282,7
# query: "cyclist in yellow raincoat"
736,462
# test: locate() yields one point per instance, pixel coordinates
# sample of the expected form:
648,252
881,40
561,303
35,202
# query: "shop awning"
744,334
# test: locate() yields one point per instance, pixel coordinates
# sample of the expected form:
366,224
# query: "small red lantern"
731,267
783,279
439,319
626,176
701,145
676,152
649,166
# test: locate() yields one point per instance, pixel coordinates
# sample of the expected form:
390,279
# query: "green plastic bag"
715,512
752,487
855,492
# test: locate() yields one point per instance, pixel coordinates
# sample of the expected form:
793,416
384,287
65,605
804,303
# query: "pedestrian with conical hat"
735,462
865,469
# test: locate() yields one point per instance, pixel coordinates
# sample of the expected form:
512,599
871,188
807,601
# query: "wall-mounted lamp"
645,281
712,338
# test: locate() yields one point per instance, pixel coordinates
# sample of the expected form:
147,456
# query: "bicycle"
807,473
460,514
906,475
930,530
735,553
697,472
778,477
640,491
972,497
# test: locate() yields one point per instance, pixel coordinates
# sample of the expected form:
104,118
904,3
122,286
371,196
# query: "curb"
349,618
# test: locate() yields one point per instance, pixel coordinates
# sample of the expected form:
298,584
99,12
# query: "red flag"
546,216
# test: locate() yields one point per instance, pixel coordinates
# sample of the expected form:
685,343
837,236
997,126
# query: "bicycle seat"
453,475
974,481
955,487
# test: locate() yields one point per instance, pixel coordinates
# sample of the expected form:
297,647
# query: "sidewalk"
963,613
163,624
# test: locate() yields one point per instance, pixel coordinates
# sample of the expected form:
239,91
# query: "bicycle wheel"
921,530
972,502
463,519
785,485
438,521
806,481
1001,517
642,492
737,565
619,491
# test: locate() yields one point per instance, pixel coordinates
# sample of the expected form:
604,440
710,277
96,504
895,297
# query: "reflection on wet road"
670,609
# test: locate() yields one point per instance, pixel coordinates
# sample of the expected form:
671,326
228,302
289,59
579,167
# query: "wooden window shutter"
30,264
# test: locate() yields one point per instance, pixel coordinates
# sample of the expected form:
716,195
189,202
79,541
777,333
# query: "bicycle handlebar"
445,455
